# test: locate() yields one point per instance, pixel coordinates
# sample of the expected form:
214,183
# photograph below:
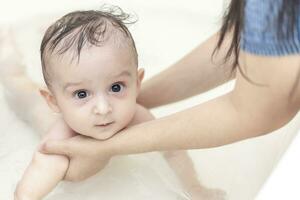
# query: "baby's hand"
203,193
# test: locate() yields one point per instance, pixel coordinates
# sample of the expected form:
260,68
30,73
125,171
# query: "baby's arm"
182,165
44,171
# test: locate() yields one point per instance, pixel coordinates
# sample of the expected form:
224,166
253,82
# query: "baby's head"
90,66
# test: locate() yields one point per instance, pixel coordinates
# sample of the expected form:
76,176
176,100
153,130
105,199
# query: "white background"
200,19
284,182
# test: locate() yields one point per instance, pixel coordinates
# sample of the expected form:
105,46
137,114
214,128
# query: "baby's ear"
141,73
50,99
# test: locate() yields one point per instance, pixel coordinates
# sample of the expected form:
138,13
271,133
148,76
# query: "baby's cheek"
128,114
74,122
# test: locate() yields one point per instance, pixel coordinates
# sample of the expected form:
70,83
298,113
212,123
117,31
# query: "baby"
90,66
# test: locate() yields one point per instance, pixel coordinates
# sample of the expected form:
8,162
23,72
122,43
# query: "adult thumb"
59,147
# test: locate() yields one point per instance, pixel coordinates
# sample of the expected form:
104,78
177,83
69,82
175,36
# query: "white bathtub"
166,30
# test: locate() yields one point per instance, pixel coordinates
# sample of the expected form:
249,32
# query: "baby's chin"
102,135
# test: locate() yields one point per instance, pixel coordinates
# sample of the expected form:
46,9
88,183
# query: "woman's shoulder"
261,24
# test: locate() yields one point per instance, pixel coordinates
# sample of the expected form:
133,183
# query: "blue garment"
260,29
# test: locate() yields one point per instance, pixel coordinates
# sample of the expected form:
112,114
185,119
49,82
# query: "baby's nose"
102,107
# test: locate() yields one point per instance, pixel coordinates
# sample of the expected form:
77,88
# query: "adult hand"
87,156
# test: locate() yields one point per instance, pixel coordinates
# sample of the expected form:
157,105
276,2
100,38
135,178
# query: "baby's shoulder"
59,131
142,114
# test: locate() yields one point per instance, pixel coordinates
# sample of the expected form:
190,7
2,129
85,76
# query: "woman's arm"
193,74
248,111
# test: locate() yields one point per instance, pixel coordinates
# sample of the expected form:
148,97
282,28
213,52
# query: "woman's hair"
233,21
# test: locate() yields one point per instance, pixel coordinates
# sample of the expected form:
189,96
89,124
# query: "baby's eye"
117,87
81,94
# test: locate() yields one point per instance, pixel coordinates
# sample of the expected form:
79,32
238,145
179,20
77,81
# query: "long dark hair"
233,21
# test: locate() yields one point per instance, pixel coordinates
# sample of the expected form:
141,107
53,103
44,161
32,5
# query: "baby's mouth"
104,124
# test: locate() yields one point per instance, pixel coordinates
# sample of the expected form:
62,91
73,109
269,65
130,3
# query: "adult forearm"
207,125
195,73
212,124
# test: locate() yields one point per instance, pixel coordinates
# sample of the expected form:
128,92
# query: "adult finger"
60,147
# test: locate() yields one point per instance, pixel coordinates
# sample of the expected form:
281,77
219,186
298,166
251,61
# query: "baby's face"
97,96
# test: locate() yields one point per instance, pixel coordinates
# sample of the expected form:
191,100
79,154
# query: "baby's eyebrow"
71,84
124,73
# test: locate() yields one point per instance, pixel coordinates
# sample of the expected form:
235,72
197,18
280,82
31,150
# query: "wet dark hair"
79,28
233,21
